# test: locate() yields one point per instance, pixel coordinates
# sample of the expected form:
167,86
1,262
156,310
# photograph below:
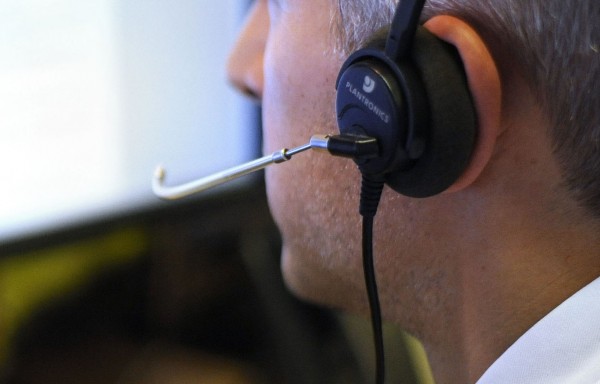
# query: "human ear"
484,84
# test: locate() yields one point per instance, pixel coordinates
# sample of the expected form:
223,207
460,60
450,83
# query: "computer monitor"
94,94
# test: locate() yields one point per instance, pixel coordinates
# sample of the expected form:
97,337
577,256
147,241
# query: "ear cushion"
452,120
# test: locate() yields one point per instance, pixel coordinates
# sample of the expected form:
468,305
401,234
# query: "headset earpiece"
418,107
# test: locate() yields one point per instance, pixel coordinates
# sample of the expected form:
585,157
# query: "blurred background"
100,282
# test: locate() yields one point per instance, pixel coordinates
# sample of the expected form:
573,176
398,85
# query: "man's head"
525,70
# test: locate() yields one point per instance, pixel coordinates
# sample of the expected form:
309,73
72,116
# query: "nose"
245,64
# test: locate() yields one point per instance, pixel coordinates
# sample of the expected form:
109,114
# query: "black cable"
362,148
369,200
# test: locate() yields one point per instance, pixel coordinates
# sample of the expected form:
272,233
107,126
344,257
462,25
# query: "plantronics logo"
368,86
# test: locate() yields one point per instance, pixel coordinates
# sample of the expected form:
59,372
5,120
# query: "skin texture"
467,271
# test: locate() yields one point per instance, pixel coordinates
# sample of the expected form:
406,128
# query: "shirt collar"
563,347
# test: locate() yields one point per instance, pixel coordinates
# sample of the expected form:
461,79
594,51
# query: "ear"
484,84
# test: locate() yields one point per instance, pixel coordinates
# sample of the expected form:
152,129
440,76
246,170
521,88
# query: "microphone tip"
159,173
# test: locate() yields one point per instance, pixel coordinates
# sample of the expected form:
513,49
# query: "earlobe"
484,83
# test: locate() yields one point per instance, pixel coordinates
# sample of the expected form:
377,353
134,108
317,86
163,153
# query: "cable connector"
359,148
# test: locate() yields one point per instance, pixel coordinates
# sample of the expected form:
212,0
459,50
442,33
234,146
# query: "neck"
504,291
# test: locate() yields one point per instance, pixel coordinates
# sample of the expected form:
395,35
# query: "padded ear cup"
452,120
433,114
379,98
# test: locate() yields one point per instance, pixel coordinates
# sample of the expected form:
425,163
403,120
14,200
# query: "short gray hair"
554,44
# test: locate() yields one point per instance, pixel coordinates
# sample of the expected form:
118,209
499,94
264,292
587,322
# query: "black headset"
409,91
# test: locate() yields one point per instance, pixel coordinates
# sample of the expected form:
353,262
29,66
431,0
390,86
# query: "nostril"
246,79
250,94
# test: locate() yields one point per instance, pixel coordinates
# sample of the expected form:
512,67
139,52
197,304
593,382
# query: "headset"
409,91
404,114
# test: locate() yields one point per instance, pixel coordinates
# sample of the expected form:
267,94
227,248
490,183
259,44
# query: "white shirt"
562,348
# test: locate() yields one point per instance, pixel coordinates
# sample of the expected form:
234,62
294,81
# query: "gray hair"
554,44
